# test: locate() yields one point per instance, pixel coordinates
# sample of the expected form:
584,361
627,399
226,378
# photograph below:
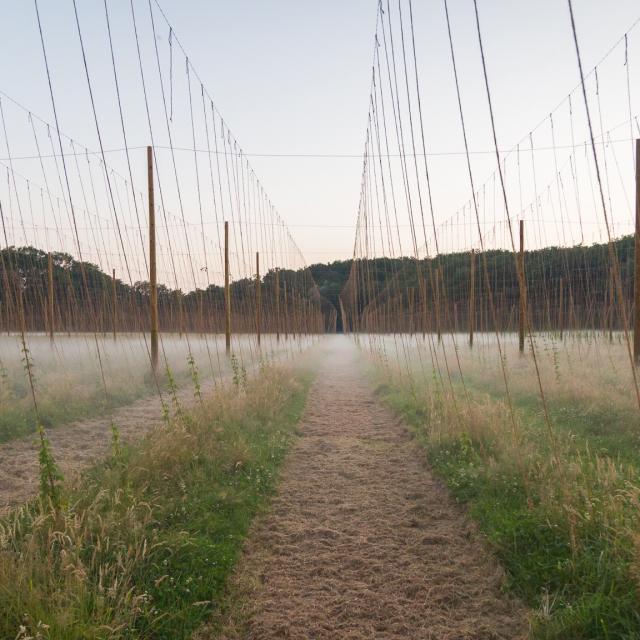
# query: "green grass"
606,428
575,571
146,542
72,397
17,418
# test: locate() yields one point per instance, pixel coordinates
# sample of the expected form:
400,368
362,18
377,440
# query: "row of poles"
298,323
522,315
153,282
522,324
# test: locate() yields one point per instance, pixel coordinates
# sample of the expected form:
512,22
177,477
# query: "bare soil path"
362,541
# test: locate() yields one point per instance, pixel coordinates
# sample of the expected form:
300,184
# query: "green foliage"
146,544
584,268
50,475
243,377
29,265
173,390
564,538
116,442
235,369
195,378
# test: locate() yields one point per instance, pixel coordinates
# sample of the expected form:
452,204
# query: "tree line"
87,299
565,287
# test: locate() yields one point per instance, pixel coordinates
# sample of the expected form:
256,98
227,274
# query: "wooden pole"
277,295
114,296
343,317
612,301
258,297
50,299
472,297
181,327
425,307
636,322
103,313
294,314
69,314
437,291
411,302
227,291
523,302
354,300
286,311
153,282
561,308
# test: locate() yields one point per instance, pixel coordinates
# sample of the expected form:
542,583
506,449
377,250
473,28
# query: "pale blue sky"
292,77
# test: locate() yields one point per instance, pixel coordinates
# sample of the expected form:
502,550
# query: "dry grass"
69,384
125,556
362,541
561,506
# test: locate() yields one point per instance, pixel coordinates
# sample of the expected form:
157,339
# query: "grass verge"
563,520
69,399
146,540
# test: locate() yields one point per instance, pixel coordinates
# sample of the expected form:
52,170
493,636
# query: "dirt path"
362,541
77,445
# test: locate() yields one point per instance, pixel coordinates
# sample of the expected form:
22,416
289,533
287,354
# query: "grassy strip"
67,401
607,428
565,531
17,419
147,540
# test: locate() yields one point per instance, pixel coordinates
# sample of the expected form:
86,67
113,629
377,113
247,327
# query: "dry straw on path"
362,541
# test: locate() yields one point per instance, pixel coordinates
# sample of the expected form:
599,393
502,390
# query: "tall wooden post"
69,317
295,328
343,316
258,297
50,299
472,297
114,301
612,302
561,308
227,291
438,315
425,307
411,303
523,301
286,310
636,322
572,310
354,300
181,327
153,281
277,295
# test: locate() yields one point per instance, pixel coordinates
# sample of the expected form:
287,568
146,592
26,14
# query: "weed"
50,476
566,534
142,549
116,443
235,369
195,378
173,390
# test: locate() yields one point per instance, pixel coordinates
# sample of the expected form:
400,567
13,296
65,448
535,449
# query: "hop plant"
235,368
194,376
173,390
50,475
116,442
243,377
